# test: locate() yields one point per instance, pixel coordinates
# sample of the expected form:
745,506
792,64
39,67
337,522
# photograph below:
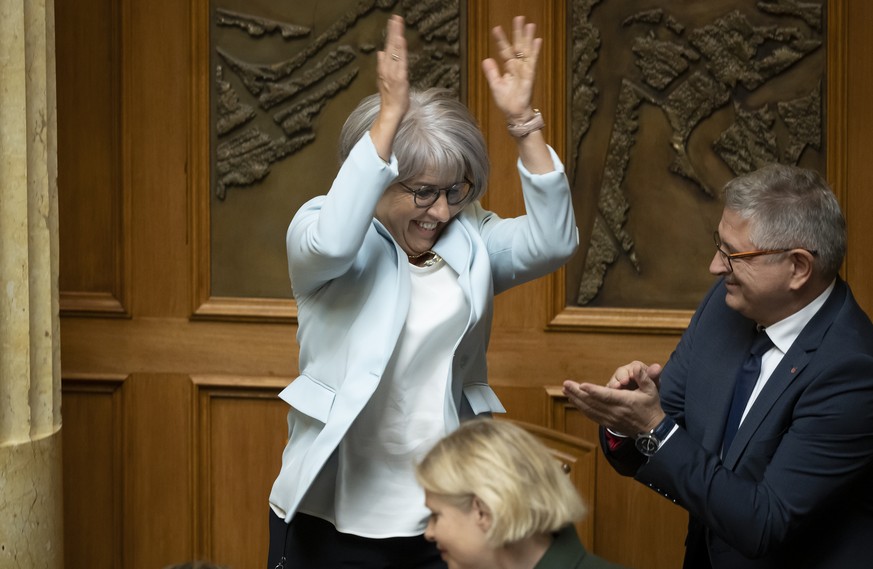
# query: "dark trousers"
309,542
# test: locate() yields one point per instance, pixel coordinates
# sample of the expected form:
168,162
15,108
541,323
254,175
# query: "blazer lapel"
457,248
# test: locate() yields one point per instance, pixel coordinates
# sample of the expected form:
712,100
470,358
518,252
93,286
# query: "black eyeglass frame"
728,257
416,193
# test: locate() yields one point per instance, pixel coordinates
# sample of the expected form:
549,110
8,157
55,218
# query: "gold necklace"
428,262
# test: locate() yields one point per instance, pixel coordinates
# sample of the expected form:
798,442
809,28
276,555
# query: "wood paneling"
91,198
172,432
240,442
92,456
858,125
158,523
156,129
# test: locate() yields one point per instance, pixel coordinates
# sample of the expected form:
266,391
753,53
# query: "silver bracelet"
533,124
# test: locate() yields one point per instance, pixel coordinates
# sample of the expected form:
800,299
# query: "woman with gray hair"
394,273
500,500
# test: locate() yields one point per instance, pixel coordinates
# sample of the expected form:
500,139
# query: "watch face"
647,444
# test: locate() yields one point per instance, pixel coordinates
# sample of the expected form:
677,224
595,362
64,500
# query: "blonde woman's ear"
482,514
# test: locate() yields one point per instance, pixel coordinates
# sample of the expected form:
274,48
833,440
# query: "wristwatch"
649,443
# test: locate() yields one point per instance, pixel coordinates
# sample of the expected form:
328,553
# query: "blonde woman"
500,500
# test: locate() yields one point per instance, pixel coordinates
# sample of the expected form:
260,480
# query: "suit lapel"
792,365
732,348
720,351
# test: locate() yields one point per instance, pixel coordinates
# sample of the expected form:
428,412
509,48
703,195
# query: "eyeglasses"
728,257
426,196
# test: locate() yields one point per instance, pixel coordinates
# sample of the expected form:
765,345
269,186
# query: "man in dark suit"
792,485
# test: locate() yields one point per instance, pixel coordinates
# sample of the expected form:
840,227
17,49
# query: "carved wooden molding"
198,152
244,309
260,386
648,321
104,304
108,383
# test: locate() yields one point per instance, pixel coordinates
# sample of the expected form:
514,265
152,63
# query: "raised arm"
392,69
512,88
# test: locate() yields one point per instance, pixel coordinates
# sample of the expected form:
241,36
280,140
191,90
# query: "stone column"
31,509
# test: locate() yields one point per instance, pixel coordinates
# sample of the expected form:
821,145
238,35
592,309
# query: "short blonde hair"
510,471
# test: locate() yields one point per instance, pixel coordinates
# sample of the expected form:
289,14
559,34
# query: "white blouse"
375,493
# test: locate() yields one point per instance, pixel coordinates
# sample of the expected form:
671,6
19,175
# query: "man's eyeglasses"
728,257
426,196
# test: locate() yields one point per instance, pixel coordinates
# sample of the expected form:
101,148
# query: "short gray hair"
437,133
510,471
790,207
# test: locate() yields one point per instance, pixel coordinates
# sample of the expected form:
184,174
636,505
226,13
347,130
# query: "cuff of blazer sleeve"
556,162
368,150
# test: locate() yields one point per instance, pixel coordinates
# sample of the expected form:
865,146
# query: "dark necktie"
747,376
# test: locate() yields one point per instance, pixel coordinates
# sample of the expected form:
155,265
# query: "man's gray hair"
791,207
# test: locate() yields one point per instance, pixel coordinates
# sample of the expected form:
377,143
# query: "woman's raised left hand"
512,86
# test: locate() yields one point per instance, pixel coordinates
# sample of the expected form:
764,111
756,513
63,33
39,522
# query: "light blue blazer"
351,283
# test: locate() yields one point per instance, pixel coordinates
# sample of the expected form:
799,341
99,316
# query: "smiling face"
458,534
759,288
416,229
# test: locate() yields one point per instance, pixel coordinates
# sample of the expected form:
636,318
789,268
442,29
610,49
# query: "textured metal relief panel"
285,77
669,100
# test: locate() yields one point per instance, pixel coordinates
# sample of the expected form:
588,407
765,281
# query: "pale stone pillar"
31,513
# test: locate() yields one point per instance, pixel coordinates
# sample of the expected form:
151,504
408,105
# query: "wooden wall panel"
240,441
159,345
158,523
93,248
522,307
627,508
156,95
92,467
858,202
525,404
